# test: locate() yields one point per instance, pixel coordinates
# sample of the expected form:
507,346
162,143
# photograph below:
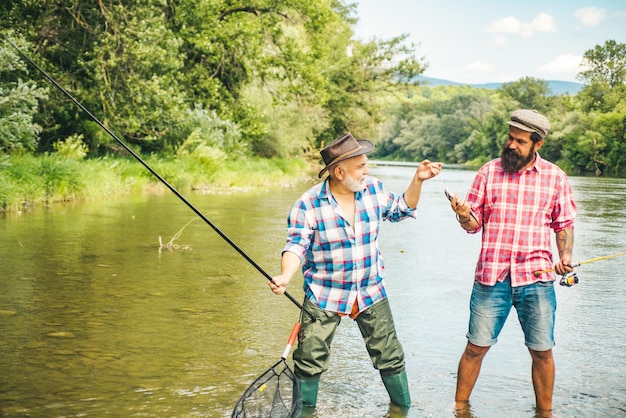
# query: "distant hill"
557,87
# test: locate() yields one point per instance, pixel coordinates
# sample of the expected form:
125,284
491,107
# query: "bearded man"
333,233
515,201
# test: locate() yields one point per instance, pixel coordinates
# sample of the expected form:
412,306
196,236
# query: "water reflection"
95,321
466,411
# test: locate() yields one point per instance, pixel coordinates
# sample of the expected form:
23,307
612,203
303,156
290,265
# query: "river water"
95,320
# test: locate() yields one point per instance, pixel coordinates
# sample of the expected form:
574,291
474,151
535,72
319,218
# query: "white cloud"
543,22
590,16
563,64
508,24
498,41
480,67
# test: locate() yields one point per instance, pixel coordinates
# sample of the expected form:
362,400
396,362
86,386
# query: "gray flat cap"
530,121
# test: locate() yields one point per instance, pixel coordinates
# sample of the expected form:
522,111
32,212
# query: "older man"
333,233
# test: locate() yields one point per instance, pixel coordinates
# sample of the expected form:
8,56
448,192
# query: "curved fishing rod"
580,263
158,176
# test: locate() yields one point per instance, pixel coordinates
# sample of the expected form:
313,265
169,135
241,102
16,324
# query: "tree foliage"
468,126
19,101
148,69
221,79
604,77
530,93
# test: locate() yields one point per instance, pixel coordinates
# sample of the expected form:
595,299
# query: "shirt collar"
325,189
536,164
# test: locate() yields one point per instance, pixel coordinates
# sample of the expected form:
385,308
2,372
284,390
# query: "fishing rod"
157,175
580,263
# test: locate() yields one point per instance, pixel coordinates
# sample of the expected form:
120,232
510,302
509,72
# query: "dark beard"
512,162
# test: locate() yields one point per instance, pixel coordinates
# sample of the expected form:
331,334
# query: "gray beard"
353,184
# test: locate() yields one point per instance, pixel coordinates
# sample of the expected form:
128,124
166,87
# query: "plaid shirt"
342,265
516,212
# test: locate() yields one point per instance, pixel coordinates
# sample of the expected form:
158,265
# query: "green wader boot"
308,392
398,388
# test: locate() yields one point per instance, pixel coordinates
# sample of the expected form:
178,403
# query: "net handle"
292,339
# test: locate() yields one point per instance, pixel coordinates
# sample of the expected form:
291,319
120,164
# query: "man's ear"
538,145
338,172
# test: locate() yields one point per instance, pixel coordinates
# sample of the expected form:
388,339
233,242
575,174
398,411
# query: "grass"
27,181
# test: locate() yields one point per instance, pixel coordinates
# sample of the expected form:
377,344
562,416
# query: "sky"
481,41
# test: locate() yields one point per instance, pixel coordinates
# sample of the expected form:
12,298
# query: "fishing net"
275,394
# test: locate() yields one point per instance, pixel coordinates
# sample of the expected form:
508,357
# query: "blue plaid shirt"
341,264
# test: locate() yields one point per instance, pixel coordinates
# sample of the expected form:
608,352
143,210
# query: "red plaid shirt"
515,212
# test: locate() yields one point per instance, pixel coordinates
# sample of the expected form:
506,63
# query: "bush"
73,147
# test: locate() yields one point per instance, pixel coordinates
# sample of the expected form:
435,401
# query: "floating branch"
170,246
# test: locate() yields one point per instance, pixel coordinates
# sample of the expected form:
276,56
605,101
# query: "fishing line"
157,175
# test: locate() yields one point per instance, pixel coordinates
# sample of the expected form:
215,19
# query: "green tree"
611,126
19,103
143,66
530,93
362,80
604,77
452,124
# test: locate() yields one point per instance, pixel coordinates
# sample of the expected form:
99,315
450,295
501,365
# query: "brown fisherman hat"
343,148
530,121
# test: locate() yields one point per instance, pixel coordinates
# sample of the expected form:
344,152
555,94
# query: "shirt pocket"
545,207
369,223
332,238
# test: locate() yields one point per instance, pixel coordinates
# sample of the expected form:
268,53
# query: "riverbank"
27,181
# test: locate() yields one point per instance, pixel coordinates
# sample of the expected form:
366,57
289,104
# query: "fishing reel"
569,279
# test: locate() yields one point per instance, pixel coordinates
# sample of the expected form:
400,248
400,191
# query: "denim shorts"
535,305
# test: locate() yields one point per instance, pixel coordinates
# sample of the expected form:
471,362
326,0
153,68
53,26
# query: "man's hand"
563,267
461,208
279,284
288,266
565,244
427,170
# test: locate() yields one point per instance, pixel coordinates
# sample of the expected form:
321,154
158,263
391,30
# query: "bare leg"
469,368
543,379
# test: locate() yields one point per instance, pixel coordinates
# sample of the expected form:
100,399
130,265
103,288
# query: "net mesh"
274,394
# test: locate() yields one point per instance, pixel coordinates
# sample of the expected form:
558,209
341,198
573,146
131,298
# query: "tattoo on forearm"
565,243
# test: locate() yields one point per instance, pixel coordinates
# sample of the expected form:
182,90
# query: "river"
96,320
